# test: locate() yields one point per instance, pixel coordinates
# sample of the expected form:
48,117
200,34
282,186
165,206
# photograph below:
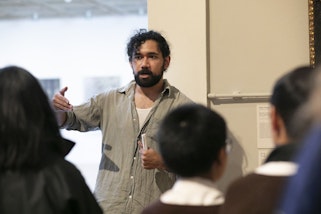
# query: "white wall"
72,50
183,22
252,44
226,46
63,47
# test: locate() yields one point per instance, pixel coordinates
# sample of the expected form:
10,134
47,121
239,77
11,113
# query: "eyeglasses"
228,145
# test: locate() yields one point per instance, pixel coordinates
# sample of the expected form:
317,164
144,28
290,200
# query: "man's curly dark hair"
141,36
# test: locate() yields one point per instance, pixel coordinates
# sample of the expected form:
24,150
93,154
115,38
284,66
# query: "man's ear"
274,119
278,129
218,167
167,61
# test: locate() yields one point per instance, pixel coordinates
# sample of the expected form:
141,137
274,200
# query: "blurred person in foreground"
34,176
303,191
259,191
192,142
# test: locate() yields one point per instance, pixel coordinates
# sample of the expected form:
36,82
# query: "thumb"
63,90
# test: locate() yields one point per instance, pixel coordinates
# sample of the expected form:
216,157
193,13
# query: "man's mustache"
145,71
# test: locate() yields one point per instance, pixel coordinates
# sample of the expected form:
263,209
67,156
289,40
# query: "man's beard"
148,82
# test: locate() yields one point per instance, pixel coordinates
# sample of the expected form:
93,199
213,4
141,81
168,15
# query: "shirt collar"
193,191
277,168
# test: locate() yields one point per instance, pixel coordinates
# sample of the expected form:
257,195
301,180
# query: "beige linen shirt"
123,185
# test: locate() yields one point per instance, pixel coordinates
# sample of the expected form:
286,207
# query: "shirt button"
130,196
131,177
134,158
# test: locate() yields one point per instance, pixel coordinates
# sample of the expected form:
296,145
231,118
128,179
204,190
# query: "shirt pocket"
151,134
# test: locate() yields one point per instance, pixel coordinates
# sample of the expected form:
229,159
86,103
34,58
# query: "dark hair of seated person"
190,139
29,135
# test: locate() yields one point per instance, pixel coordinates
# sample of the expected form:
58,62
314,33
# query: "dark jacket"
57,187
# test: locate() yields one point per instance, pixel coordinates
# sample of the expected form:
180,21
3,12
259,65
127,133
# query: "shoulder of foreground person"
65,181
253,193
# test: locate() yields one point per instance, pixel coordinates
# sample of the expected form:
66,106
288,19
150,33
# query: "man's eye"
138,57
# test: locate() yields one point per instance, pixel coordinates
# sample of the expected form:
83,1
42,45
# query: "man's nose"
145,62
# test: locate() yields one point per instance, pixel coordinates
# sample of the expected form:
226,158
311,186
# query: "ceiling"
42,9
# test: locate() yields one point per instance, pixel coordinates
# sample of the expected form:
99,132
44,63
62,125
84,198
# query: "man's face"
148,64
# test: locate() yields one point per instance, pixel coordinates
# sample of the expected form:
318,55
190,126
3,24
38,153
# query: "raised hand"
60,102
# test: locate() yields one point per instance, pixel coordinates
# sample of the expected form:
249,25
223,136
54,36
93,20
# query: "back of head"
28,126
190,139
310,113
143,35
291,92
